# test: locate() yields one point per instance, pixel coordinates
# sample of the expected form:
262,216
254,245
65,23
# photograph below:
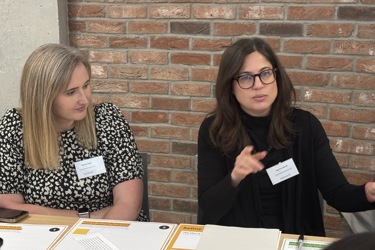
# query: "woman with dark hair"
261,160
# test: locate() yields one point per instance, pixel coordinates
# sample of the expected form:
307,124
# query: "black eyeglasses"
247,80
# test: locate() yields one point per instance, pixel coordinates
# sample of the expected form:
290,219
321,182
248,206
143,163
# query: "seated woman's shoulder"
106,108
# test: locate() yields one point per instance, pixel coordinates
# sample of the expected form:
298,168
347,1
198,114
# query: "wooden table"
70,221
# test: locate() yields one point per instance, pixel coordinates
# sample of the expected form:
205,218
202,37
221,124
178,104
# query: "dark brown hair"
227,131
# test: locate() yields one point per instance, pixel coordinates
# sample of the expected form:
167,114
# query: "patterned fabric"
61,188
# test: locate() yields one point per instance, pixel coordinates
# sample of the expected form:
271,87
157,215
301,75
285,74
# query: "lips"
259,97
81,109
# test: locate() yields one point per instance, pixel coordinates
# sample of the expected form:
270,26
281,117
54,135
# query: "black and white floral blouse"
62,188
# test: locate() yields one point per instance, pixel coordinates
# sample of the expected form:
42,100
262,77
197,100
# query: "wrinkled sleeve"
123,160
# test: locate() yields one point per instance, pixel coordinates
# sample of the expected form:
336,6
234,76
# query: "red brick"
203,105
127,11
363,162
147,27
169,73
353,81
159,175
169,43
184,177
214,12
148,57
172,217
358,178
291,61
191,89
139,131
170,103
127,42
170,161
307,46
366,31
330,29
169,11
366,65
75,26
309,78
106,26
254,12
351,47
149,117
170,132
131,101
87,41
189,206
153,146
81,10
190,58
184,148
365,99
233,29
320,111
327,96
336,128
187,119
203,74
109,86
353,115
149,87
311,12
160,203
128,72
210,44
329,63
352,147
170,190
364,132
106,56
99,71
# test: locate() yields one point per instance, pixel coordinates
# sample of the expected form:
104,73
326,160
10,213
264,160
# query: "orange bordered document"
186,237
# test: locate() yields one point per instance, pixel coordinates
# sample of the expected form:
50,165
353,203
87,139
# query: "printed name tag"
282,171
90,167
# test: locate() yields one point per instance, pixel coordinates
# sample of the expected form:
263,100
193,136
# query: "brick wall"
158,60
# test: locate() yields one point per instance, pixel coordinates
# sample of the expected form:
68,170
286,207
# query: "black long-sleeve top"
293,205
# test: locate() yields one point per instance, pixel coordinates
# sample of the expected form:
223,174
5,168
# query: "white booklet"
101,234
29,236
224,238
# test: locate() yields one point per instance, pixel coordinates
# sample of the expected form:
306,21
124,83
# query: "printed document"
101,234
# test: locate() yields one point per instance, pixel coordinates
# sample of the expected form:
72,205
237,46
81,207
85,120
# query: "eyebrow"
68,90
262,69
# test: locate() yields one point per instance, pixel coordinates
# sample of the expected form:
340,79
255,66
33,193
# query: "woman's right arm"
217,183
16,201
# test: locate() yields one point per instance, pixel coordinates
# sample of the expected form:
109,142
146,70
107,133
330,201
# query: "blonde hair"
47,72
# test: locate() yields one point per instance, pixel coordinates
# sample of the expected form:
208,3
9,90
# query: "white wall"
24,25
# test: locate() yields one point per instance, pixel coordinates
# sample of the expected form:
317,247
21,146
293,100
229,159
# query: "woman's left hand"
370,191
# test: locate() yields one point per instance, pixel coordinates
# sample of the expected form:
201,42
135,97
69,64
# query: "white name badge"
282,171
90,167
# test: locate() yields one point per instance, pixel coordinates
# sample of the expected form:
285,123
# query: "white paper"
25,236
121,234
290,244
224,238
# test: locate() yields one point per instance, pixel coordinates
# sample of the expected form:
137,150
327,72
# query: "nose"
82,98
258,84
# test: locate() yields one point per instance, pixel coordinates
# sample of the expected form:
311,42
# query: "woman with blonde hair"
60,154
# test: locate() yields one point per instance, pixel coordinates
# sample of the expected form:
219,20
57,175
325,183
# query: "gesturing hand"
246,164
